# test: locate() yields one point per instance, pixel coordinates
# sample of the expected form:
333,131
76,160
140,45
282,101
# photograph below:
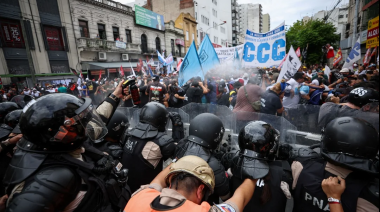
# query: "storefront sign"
10,33
373,33
180,42
363,36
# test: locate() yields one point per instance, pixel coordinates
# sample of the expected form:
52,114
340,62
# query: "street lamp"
224,22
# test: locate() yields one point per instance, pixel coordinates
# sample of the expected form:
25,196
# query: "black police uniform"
279,172
50,178
358,157
206,132
149,135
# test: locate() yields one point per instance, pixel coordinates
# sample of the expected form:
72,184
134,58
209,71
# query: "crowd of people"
71,148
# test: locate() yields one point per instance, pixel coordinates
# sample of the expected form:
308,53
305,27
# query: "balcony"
96,45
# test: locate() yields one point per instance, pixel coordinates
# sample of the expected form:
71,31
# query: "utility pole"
355,23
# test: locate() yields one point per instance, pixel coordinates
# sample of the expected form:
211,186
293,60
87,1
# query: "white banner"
265,49
227,54
291,65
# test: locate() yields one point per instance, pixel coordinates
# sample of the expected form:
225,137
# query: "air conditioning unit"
102,56
124,57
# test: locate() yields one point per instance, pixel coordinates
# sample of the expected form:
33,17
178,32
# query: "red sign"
54,38
11,33
217,45
180,42
373,33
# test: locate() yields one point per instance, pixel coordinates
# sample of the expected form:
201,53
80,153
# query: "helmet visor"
92,123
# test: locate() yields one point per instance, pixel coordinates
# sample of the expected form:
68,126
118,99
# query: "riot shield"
305,119
130,113
223,112
184,117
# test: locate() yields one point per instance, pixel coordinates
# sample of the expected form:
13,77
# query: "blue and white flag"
265,49
237,63
161,58
207,55
169,60
190,67
354,55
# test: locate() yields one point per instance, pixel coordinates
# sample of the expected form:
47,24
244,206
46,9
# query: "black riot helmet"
5,108
117,126
61,122
260,137
22,100
12,118
206,130
362,96
155,114
350,142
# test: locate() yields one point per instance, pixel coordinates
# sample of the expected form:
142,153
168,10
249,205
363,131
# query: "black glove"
115,150
284,151
244,167
176,119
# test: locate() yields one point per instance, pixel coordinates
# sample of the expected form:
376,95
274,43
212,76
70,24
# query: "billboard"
265,49
149,19
373,33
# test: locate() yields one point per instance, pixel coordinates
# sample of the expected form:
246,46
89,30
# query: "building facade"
108,38
188,25
252,17
174,40
266,23
36,42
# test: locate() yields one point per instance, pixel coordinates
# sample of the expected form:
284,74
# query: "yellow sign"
373,33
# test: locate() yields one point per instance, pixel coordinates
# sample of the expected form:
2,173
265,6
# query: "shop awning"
100,65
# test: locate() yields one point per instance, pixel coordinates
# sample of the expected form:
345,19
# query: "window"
196,16
113,4
102,31
128,34
215,25
83,28
158,44
341,16
216,40
172,45
144,43
10,34
223,30
214,12
116,35
215,2
193,36
54,38
187,35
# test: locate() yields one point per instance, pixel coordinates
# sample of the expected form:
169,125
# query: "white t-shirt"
51,90
36,93
27,92
290,102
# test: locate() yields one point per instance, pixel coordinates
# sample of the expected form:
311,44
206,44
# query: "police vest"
309,195
279,171
148,200
141,172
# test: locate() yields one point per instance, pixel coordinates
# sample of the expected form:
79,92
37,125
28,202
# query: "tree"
316,34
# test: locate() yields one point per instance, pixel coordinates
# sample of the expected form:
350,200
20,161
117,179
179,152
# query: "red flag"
81,74
283,61
100,75
338,57
374,52
179,64
367,57
298,52
121,71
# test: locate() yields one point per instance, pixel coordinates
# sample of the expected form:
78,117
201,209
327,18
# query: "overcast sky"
287,10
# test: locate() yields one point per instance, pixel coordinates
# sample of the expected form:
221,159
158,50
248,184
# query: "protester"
195,91
248,97
157,92
292,91
62,89
271,100
183,186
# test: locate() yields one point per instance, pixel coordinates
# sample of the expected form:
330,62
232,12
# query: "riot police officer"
117,128
10,135
147,145
205,134
349,148
5,108
259,142
51,171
